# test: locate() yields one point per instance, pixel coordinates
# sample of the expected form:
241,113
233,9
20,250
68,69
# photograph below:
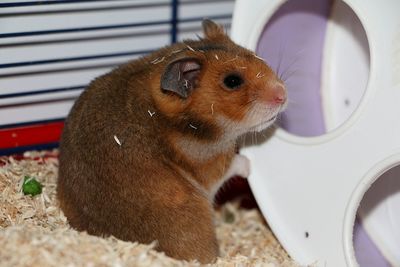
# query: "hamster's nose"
276,94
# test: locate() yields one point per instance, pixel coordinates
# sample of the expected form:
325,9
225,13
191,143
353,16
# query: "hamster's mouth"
261,126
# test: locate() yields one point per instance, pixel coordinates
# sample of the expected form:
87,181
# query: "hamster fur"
146,146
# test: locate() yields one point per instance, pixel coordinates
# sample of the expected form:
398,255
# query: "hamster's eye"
233,81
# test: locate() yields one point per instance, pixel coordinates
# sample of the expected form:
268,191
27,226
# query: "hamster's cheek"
231,128
261,113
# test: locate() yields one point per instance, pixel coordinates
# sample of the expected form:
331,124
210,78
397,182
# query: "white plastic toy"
310,188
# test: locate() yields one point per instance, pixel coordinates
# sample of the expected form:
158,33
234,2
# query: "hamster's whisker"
280,60
301,51
246,104
294,61
273,127
278,120
253,113
246,137
289,75
293,104
254,137
284,73
245,108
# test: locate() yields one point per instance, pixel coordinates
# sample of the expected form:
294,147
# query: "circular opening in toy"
376,233
320,50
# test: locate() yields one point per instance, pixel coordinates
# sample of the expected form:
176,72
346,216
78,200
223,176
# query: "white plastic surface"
380,213
345,66
309,189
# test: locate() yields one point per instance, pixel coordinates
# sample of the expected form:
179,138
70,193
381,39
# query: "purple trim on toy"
366,252
292,44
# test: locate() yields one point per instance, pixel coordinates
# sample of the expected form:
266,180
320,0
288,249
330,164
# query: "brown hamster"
146,146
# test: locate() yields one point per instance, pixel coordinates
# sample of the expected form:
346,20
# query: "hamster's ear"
181,76
212,30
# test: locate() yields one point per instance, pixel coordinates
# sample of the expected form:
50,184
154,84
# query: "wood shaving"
259,75
190,48
216,56
117,140
34,232
176,51
157,60
192,126
260,58
232,59
186,83
151,113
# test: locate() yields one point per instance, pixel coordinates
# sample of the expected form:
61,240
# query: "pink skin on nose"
279,94
274,94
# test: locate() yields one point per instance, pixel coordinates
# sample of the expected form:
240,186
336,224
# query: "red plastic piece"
31,135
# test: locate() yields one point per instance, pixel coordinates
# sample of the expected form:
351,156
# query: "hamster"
146,146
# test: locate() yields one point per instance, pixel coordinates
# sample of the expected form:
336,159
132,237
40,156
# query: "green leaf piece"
31,186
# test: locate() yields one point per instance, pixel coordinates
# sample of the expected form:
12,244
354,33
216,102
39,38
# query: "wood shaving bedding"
34,231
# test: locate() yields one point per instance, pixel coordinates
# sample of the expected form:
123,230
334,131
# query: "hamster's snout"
272,99
278,94
274,94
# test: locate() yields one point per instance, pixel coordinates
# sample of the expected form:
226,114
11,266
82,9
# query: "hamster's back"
106,135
